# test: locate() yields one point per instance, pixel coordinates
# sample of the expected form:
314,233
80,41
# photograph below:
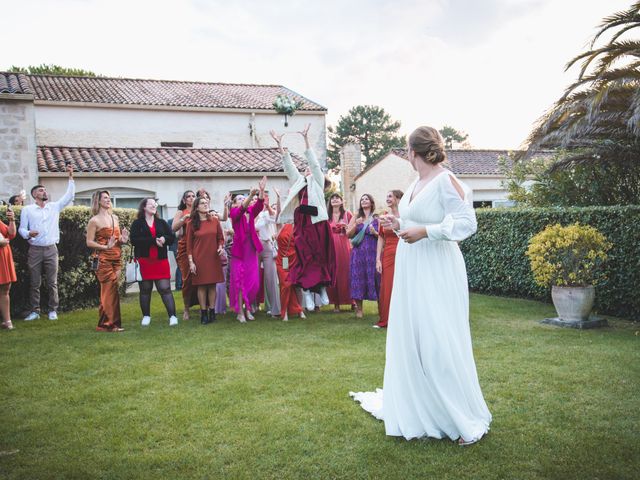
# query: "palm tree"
599,114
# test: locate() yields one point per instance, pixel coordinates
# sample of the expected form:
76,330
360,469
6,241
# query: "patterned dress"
365,281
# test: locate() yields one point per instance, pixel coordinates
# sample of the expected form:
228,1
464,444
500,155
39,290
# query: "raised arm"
69,194
312,160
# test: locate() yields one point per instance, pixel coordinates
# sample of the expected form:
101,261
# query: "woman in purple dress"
245,276
363,232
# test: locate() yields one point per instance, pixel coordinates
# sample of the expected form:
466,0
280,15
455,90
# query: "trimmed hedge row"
495,256
497,264
77,284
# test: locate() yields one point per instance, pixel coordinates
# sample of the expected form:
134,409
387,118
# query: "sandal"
7,325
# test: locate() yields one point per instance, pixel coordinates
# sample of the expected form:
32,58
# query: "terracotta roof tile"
161,160
468,162
127,91
14,83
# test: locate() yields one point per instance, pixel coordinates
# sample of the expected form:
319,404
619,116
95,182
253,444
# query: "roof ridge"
101,77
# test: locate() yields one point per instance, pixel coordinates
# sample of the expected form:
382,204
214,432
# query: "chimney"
350,167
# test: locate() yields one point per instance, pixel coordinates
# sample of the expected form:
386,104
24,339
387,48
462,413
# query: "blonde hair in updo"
428,145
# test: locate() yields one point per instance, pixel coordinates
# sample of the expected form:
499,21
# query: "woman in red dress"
386,259
7,268
205,244
150,236
284,261
179,226
339,218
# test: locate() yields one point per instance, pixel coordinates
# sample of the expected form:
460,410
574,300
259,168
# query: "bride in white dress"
430,386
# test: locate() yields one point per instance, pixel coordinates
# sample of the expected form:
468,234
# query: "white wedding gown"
431,386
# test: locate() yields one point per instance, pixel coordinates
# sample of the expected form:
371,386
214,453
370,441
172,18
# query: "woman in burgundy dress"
150,236
339,218
205,243
386,259
305,207
363,231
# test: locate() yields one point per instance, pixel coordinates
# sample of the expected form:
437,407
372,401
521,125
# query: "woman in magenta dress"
363,231
245,276
150,236
386,259
305,206
339,218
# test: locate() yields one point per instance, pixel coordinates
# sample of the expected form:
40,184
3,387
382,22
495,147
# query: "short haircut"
35,187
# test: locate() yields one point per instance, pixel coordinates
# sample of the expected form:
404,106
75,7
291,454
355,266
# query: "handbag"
132,273
357,239
309,210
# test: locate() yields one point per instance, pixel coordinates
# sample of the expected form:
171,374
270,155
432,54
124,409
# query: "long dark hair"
371,200
195,216
143,203
330,208
183,204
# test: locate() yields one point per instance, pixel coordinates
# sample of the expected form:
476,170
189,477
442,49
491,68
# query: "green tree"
368,125
596,122
452,136
52,69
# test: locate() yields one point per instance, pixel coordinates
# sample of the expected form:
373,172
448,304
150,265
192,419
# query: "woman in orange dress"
179,226
286,258
105,238
386,259
339,218
205,244
7,268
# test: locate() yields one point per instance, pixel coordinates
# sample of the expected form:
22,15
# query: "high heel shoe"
7,325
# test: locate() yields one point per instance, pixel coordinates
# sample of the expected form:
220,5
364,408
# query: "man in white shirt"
39,226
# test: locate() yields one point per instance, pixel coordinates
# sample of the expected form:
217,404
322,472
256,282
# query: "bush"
570,256
77,284
497,262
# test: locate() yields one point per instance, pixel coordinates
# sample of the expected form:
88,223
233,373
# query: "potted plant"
286,106
569,259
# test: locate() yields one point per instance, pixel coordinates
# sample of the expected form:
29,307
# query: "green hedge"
497,264
77,284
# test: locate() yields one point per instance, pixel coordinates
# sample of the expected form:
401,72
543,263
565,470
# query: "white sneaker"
307,298
53,315
32,316
145,321
173,321
324,298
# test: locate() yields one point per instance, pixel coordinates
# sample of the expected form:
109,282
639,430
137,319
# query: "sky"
487,67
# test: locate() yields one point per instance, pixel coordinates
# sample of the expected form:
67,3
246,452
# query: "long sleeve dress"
202,245
245,275
431,387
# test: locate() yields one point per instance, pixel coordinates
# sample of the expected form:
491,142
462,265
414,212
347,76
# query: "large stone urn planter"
574,305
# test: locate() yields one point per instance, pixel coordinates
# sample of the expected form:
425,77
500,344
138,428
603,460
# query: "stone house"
142,138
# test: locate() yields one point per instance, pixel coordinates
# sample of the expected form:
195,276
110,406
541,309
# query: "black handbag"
309,210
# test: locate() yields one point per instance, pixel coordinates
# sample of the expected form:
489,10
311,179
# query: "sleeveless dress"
340,294
7,267
188,293
388,261
431,386
108,273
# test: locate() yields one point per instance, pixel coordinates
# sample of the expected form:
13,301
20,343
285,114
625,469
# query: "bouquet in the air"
286,105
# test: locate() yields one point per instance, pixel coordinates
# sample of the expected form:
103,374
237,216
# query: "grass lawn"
269,399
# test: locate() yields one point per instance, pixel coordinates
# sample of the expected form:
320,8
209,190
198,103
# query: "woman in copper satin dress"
179,226
105,238
386,259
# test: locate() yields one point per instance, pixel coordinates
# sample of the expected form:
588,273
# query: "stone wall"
18,168
350,167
